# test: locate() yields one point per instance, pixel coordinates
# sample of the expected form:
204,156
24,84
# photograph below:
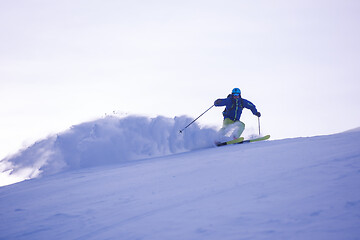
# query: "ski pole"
259,124
195,119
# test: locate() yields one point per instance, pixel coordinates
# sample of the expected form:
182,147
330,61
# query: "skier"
232,113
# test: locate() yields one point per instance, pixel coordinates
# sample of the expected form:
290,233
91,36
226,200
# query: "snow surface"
301,188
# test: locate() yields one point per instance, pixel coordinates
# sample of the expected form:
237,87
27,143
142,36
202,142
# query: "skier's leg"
223,134
226,124
240,127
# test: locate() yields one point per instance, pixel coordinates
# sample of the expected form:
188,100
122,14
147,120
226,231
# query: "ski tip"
259,139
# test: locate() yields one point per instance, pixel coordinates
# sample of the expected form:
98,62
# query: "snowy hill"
302,188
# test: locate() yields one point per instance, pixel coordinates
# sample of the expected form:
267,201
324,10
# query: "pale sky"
66,62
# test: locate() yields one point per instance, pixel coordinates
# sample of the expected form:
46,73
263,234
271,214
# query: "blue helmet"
236,91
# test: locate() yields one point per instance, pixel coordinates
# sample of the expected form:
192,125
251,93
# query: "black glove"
258,114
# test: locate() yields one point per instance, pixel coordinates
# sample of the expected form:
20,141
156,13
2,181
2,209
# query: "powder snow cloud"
110,140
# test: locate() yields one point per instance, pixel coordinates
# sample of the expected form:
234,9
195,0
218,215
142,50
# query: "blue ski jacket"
234,107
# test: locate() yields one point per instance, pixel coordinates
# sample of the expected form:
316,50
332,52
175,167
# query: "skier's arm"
251,106
220,102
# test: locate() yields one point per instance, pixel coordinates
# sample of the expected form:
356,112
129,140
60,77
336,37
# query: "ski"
237,140
241,141
256,139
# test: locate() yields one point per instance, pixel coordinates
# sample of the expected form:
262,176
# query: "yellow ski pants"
232,128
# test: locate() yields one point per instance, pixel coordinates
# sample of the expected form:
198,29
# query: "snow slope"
302,188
